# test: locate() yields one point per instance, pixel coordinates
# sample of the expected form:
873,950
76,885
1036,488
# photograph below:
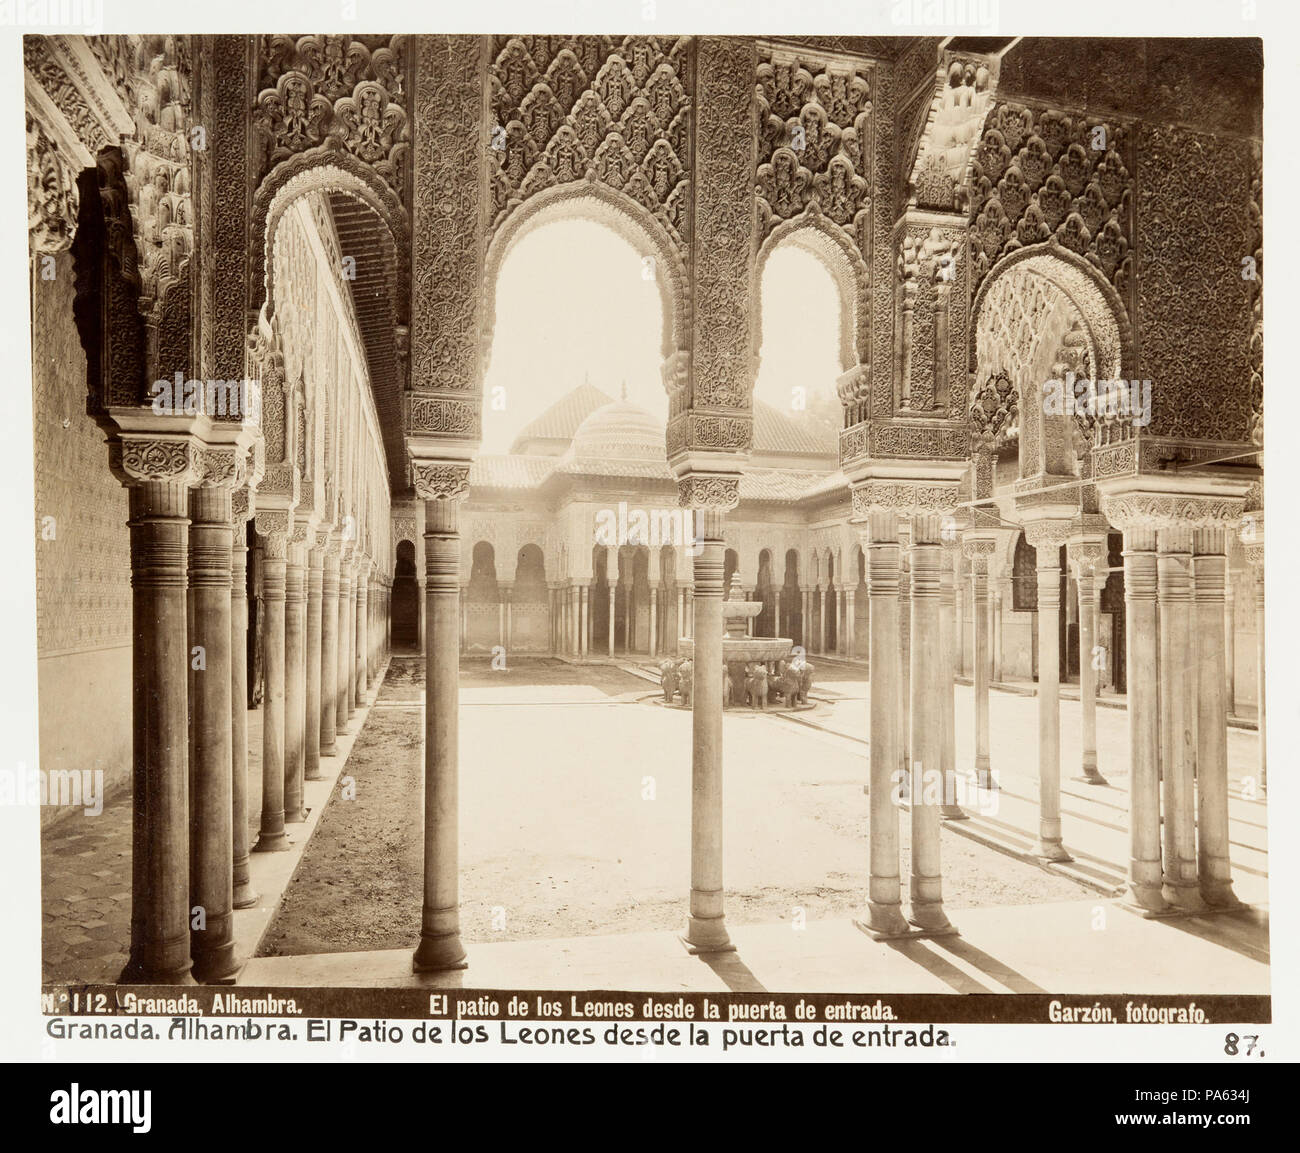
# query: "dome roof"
619,431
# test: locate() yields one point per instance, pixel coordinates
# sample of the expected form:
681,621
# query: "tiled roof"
777,433
561,420
786,485
510,470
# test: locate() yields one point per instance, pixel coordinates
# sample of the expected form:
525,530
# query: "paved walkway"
1069,948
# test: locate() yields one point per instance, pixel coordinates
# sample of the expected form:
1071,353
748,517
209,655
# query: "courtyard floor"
575,819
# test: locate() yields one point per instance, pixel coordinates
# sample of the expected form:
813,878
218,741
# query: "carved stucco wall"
1195,309
83,574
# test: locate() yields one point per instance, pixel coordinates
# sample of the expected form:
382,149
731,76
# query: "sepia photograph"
540,533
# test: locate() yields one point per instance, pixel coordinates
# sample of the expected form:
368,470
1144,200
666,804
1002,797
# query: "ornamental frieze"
1151,510
904,497
52,198
445,416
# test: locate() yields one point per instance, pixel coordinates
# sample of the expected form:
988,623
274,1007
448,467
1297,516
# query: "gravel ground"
557,837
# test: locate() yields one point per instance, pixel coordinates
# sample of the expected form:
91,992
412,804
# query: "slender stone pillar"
329,650
1230,643
905,753
440,945
613,589
585,631
995,629
244,896
363,631
354,635
979,550
421,600
295,676
823,633
950,809
884,913
464,614
1047,538
1141,630
1210,572
849,624
342,707
1177,714
1255,555
274,528
959,587
690,612
654,621
927,724
1085,555
707,927
315,617
160,922
211,864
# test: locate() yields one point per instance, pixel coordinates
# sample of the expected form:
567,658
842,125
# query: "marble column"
654,621
1047,538
343,706
211,848
906,757
274,527
507,595
363,632
440,945
706,930
979,550
926,688
329,650
315,616
1177,669
1255,555
160,898
1085,555
295,675
1141,631
1213,858
995,627
355,619
1230,643
244,896
884,912
421,599
823,635
950,809
960,586
613,589
849,624
584,633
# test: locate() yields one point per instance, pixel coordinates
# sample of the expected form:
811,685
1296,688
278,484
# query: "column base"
296,816
1184,897
931,920
1090,777
330,750
245,897
884,922
985,780
439,954
217,968
706,935
315,777
953,813
1220,897
1053,851
271,843
135,973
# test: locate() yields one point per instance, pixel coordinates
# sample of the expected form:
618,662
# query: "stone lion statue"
756,686
686,681
669,675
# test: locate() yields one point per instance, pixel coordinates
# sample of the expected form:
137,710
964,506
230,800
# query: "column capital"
908,496
274,526
440,479
709,491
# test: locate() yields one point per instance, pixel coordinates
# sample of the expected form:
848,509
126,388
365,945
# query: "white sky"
572,302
